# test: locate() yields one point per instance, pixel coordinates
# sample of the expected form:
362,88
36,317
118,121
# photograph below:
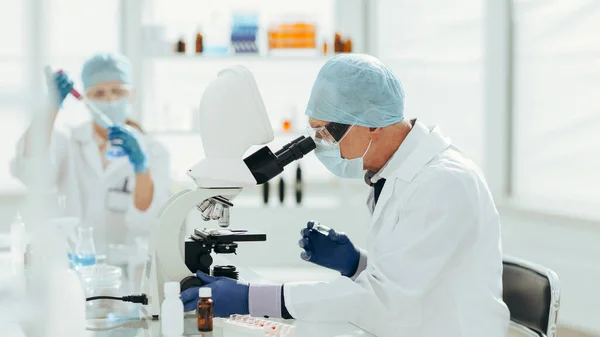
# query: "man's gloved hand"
126,139
229,296
59,85
333,251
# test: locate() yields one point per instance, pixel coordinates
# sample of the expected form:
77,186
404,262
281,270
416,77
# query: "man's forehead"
315,123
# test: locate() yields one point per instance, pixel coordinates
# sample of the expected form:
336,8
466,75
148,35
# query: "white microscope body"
232,119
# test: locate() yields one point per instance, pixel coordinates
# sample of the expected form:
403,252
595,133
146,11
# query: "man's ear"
375,133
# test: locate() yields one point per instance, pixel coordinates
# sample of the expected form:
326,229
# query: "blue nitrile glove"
229,296
130,144
60,84
334,251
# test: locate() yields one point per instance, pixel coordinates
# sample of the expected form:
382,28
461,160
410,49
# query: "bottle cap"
171,289
205,292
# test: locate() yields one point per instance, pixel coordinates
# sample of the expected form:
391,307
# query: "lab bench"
142,327
149,328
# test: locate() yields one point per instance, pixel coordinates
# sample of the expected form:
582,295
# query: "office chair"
532,294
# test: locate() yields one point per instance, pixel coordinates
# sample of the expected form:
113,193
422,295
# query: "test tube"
321,228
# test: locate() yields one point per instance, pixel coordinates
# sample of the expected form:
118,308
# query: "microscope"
233,118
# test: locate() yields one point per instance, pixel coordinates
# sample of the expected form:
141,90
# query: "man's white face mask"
328,151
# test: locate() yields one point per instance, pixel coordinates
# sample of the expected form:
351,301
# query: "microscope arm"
166,251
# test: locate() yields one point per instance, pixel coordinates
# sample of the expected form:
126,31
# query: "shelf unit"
169,85
239,57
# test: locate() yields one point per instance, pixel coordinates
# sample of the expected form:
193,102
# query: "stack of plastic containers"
244,33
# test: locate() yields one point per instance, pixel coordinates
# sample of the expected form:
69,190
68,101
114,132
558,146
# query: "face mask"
331,158
117,111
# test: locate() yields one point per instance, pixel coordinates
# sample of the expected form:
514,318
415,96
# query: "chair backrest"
532,294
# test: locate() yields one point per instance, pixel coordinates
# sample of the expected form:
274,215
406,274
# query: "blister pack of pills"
252,326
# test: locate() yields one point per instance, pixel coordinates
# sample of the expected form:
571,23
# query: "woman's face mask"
331,157
117,111
113,100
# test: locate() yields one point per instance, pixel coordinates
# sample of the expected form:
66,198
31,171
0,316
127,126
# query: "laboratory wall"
436,48
75,33
13,82
556,107
514,83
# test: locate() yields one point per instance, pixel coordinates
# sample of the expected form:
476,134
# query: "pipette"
93,108
112,151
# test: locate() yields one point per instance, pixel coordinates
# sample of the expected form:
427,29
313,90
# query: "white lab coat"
73,168
434,265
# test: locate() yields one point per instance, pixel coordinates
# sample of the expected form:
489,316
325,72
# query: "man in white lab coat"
120,195
433,261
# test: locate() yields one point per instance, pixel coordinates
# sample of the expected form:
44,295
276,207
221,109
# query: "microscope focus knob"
190,282
205,262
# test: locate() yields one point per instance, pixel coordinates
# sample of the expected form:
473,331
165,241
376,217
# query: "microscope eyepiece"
296,150
287,146
265,165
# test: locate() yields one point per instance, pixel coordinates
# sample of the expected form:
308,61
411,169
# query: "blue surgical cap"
106,67
359,90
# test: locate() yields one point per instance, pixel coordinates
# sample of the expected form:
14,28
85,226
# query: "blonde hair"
134,124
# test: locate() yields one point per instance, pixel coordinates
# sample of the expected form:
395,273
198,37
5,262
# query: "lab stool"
532,294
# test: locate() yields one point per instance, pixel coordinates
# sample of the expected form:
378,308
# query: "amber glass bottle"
205,310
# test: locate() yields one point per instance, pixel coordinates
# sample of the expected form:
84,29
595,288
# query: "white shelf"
196,57
175,133
277,134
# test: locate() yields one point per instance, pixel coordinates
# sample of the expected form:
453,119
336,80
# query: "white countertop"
148,328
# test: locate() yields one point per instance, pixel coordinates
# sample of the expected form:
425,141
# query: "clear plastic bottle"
171,311
85,250
55,286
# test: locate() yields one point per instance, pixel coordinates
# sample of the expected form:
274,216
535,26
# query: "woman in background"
118,197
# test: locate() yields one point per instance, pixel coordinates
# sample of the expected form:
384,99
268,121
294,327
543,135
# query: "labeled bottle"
338,44
205,310
348,46
171,311
180,45
199,43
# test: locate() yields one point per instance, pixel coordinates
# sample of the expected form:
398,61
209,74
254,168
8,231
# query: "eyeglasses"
109,92
330,134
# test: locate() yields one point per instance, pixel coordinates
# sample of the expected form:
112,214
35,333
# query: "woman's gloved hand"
123,136
334,251
59,84
229,296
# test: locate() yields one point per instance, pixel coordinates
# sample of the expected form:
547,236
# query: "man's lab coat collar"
417,149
